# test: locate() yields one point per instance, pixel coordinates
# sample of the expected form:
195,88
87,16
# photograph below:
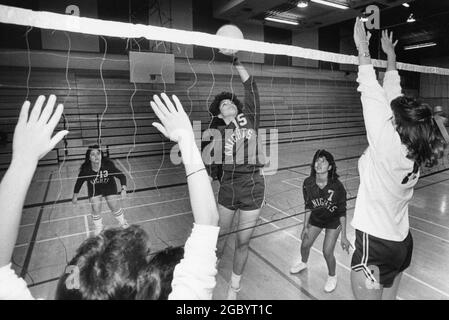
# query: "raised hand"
33,135
361,36
176,124
387,43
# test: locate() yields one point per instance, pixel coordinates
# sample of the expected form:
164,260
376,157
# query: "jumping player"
242,186
99,173
402,135
325,196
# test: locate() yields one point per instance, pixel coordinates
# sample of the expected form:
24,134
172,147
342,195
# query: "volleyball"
230,31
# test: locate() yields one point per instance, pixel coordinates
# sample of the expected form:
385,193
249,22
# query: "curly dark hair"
418,131
117,265
332,173
214,107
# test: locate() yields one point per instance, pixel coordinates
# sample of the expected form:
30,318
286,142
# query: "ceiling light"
282,21
331,4
420,45
405,4
303,4
411,18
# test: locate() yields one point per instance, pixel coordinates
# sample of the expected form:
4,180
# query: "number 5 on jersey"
241,119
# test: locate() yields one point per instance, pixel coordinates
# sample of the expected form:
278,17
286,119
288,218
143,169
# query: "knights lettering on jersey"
324,203
238,135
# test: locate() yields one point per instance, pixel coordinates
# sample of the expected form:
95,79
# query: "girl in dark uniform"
242,184
325,197
99,173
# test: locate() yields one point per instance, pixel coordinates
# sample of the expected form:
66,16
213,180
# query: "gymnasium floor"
52,227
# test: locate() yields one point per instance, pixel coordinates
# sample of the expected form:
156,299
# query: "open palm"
387,42
175,123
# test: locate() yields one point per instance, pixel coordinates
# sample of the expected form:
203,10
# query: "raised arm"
376,109
194,276
361,39
252,100
392,81
243,73
32,141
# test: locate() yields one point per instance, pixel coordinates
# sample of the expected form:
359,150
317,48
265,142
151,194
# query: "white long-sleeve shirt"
193,278
381,207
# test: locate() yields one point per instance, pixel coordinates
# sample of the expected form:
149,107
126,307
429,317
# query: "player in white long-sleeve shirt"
402,136
193,277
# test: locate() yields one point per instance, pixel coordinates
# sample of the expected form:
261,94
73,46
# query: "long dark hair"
87,163
418,130
332,173
117,265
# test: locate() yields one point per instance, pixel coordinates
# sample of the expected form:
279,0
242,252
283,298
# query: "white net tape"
55,21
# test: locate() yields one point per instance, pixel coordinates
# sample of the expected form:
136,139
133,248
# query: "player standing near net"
403,135
325,196
242,185
99,173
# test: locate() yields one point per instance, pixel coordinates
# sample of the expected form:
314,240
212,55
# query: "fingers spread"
57,137
35,113
48,109
160,128
157,111
168,103
53,122
178,103
23,117
160,105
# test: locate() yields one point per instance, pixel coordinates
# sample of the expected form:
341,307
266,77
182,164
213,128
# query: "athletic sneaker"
331,284
298,267
232,293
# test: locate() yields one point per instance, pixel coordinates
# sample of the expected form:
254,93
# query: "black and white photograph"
224,150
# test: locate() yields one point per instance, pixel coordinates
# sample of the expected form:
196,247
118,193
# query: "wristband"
195,172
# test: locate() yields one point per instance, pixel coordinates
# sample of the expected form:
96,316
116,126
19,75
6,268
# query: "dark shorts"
381,260
244,191
332,224
103,189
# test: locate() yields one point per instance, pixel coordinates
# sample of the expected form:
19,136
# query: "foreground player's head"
323,162
225,105
117,264
418,131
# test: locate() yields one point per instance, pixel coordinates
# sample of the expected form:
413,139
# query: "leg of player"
330,239
95,202
391,293
247,222
361,288
114,204
225,223
306,244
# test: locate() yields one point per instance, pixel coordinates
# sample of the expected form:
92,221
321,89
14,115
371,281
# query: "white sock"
98,221
119,216
235,280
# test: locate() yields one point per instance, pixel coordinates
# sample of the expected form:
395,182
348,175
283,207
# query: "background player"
325,196
99,173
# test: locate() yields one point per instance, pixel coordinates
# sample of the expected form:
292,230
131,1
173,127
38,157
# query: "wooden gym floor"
52,227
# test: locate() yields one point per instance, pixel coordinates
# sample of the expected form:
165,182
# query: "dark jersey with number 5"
242,152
